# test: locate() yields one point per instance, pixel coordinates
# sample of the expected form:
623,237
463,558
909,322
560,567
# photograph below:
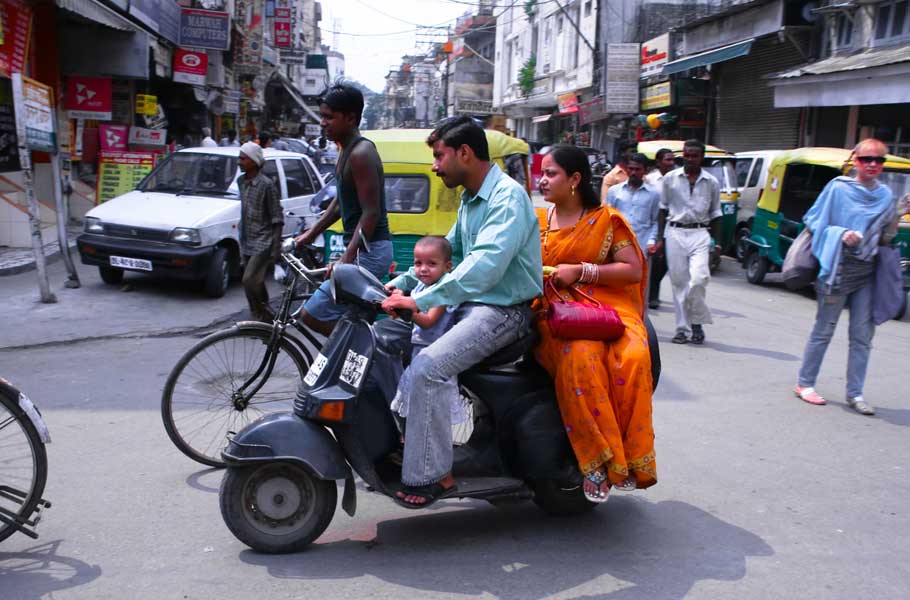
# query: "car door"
300,189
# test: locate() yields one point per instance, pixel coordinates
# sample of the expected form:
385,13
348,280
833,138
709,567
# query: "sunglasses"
879,160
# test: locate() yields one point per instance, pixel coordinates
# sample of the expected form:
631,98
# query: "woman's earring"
573,191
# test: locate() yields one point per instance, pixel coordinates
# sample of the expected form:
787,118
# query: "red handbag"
582,321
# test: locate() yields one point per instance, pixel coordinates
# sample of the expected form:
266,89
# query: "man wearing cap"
261,221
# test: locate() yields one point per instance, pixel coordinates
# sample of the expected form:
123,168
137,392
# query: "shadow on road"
656,551
40,571
206,480
728,349
894,416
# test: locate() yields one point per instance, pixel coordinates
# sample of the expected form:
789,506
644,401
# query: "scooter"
279,490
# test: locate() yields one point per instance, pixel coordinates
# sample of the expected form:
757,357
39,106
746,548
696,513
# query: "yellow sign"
146,104
656,96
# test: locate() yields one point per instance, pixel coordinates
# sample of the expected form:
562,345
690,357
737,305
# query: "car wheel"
741,243
110,275
756,268
218,278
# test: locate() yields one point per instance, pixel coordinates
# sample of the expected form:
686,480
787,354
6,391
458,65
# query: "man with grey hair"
261,221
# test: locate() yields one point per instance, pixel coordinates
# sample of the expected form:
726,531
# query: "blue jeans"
862,328
377,262
479,331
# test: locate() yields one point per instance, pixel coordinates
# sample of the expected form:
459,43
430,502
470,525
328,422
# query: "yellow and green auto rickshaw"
417,201
722,165
795,179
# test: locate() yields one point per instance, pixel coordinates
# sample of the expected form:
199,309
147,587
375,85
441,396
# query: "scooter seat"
510,353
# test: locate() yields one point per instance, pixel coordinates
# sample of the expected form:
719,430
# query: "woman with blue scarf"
849,221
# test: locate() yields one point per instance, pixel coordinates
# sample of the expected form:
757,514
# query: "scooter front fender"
285,437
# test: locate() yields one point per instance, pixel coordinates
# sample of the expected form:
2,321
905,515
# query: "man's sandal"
431,493
598,478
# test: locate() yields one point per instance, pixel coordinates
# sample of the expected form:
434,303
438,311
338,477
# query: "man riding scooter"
495,241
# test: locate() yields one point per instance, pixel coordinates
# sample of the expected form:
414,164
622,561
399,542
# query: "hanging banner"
16,26
114,137
34,114
205,29
282,36
121,172
190,67
89,98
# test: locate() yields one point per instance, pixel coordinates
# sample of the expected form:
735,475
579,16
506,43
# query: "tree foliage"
526,75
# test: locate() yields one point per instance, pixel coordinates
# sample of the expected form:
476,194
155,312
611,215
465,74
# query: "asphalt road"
759,495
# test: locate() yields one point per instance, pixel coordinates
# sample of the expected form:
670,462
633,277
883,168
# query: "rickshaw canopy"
409,146
650,148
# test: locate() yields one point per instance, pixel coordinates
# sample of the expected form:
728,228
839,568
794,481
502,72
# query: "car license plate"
138,264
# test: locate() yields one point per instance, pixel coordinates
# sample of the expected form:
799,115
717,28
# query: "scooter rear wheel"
276,508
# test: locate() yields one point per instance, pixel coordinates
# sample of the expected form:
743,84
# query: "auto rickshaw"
795,180
722,165
417,201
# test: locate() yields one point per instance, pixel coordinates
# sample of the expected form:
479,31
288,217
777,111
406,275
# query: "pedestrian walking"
639,203
851,218
657,261
618,173
261,221
689,207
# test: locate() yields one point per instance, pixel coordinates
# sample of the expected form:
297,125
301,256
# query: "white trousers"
688,263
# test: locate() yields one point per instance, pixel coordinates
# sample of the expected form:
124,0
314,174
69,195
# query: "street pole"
63,217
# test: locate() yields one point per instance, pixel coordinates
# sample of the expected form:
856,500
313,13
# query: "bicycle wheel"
23,463
201,403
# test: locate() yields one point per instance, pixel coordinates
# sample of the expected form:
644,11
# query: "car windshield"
193,173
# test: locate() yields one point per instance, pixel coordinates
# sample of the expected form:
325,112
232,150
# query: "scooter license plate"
315,369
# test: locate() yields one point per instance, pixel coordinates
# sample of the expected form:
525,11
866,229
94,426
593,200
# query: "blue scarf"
845,204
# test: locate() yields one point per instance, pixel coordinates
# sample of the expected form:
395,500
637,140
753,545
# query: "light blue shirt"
496,242
640,207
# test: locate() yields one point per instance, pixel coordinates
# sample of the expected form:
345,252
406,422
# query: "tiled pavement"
17,260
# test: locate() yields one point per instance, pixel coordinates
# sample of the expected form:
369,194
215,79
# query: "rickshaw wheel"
756,268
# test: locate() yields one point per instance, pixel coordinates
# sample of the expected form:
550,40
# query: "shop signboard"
654,55
282,36
622,78
190,67
591,111
146,104
147,11
140,136
120,172
169,21
16,24
89,98
9,152
205,29
657,96
114,137
34,114
567,102
232,102
312,130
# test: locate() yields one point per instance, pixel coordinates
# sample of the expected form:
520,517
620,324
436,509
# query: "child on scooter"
432,260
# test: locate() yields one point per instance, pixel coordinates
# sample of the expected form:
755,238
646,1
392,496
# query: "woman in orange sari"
603,388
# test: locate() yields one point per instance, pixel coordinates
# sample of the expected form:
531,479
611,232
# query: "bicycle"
23,463
238,375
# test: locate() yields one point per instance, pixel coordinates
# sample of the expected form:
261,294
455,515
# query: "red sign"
282,37
190,67
114,137
16,26
89,98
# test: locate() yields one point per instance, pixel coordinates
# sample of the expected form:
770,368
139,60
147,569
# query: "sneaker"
698,334
680,338
860,406
808,394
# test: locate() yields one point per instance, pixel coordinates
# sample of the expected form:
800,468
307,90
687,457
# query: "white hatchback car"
183,219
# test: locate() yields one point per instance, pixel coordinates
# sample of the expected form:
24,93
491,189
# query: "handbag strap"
575,289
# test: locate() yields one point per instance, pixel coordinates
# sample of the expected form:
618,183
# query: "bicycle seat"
510,353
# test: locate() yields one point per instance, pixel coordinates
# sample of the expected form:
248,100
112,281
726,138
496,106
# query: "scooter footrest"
484,487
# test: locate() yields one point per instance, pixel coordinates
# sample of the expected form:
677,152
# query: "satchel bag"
888,290
800,267
580,320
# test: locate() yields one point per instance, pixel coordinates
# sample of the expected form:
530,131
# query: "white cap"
253,151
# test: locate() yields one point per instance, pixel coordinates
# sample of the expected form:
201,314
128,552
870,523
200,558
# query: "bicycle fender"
285,437
28,407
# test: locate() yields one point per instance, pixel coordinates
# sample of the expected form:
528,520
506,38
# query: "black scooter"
279,492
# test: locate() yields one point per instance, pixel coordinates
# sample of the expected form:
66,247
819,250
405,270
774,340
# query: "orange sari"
603,388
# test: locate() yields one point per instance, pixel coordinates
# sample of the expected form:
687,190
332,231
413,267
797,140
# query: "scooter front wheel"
276,508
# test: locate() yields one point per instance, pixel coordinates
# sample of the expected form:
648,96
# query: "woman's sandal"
628,485
598,478
430,492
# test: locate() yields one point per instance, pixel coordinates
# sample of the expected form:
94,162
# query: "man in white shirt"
689,207
657,259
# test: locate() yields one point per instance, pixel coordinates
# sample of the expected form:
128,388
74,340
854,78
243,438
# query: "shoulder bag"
800,268
888,291
582,320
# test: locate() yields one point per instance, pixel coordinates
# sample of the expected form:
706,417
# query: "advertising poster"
121,172
140,136
15,25
190,67
654,55
34,114
114,137
89,98
205,29
282,35
9,152
623,73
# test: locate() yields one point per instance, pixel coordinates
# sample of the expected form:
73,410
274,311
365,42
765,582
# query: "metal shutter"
744,113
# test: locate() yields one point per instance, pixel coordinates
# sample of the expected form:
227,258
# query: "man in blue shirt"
496,241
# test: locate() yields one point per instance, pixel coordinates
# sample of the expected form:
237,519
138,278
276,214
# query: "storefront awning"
95,11
709,58
542,118
289,87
